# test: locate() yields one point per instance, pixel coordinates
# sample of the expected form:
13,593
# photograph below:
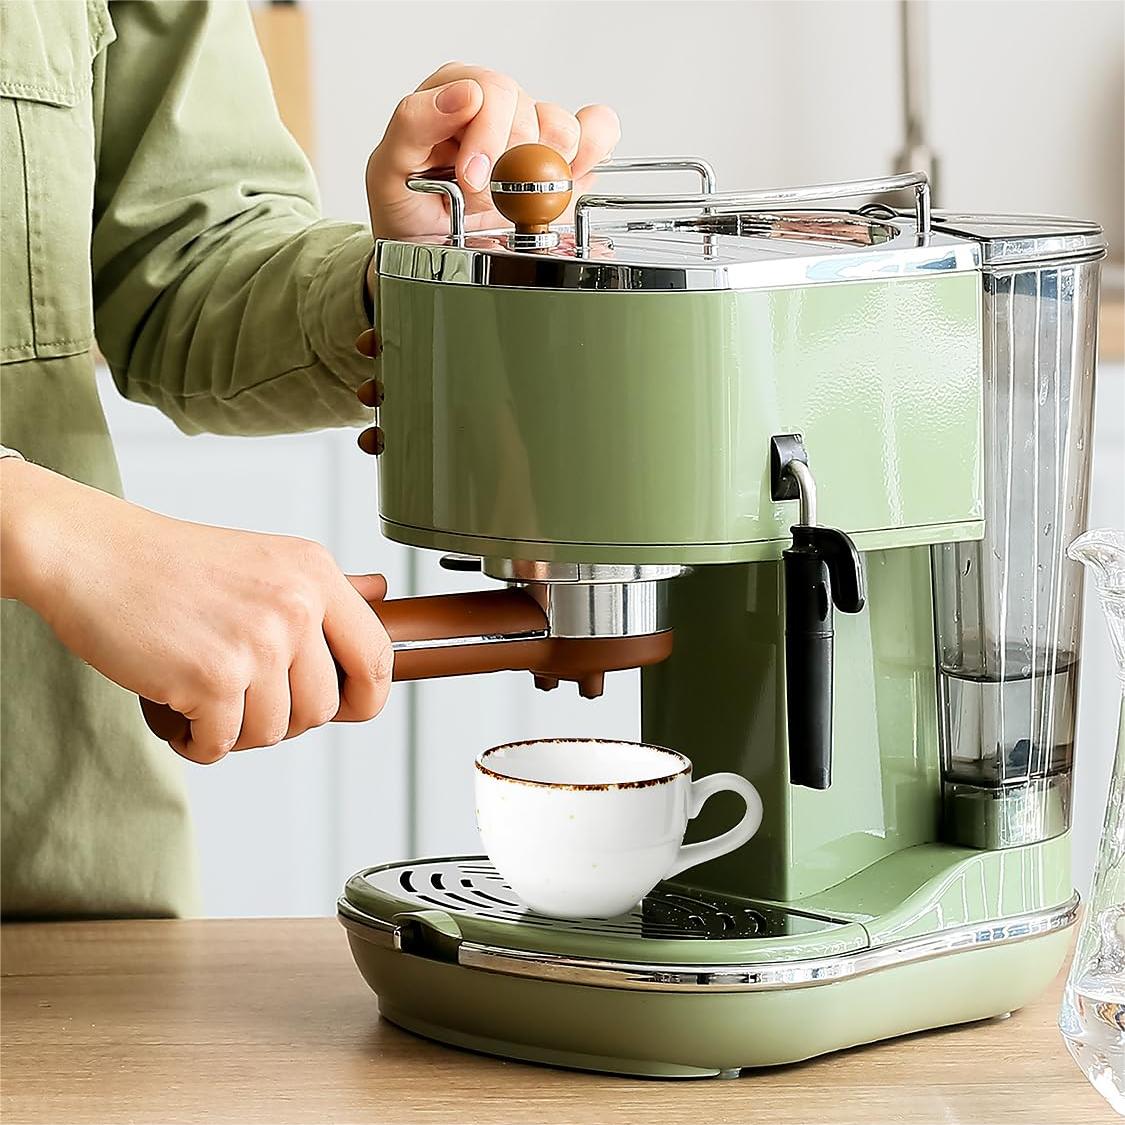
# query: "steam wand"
822,569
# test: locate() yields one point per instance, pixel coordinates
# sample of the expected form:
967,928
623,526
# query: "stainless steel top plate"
1013,240
470,887
731,251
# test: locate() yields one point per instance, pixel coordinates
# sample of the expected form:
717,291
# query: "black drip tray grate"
471,886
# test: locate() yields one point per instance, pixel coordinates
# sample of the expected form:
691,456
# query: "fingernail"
476,172
453,98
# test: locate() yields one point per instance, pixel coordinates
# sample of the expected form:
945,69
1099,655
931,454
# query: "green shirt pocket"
47,169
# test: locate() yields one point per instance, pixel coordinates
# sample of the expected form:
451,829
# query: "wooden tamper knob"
531,187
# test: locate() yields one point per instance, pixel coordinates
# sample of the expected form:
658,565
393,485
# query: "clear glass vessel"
1092,1018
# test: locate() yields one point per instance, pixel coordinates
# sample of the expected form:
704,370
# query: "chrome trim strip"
762,977
543,240
1044,252
486,260
371,929
529,187
702,168
523,570
462,642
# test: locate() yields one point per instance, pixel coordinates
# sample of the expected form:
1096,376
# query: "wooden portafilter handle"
488,631
474,621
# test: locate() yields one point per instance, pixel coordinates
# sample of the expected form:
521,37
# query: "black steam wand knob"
822,570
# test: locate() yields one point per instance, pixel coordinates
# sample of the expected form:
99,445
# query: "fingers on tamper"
601,130
558,128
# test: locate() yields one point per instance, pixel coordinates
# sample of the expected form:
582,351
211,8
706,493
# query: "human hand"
254,638
466,117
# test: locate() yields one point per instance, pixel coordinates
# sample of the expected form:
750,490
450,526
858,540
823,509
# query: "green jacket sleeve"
220,295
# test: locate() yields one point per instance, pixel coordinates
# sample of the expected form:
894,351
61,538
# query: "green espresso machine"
831,458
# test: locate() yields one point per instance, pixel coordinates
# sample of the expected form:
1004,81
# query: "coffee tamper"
531,187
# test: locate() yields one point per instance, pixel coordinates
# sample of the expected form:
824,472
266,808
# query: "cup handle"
691,854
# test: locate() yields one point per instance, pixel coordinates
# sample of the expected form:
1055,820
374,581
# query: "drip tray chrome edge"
730,978
764,977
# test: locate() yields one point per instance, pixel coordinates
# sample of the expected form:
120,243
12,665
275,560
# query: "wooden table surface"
268,1021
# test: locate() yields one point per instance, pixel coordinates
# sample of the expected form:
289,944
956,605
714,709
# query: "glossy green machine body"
635,427
597,404
720,698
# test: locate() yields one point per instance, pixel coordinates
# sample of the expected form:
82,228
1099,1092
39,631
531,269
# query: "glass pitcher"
1092,1019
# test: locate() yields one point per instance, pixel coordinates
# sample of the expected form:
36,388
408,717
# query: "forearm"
251,638
220,295
28,493
258,338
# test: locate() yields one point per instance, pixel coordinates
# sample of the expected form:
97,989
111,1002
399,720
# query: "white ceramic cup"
585,828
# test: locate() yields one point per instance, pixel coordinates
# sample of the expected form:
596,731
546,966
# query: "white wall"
1026,94
1025,118
1028,107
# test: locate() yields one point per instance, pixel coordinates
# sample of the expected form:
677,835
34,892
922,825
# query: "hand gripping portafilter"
482,631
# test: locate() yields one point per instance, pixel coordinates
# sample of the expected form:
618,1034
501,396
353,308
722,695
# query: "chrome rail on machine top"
732,201
441,181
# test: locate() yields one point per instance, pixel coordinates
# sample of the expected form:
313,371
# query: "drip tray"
474,887
465,899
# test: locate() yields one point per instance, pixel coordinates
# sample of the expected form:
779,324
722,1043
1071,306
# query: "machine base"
545,1056
668,1035
693,983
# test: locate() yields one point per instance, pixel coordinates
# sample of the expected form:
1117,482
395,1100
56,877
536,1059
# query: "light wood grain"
268,1021
1111,328
284,38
